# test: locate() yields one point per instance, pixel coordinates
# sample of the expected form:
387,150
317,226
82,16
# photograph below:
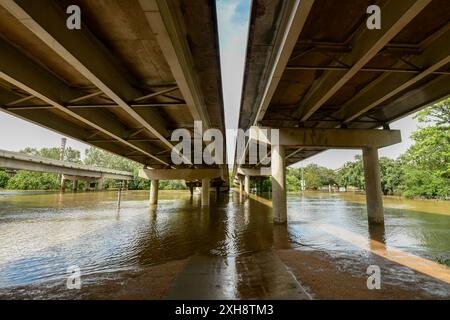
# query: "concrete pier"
100,184
247,185
374,197
154,188
279,184
75,185
62,185
241,189
205,192
204,175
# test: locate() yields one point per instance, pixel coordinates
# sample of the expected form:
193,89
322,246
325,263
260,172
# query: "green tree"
427,162
352,174
103,159
4,178
70,154
391,175
419,183
172,185
25,180
292,183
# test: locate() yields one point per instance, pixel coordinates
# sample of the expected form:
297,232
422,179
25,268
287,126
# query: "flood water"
41,235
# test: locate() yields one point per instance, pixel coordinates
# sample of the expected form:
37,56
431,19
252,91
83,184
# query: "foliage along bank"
423,171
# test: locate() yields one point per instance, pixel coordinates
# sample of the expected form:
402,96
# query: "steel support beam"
365,45
286,44
387,86
37,81
166,21
155,94
427,94
84,52
337,68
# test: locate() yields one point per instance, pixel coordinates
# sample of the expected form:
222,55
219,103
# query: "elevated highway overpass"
139,69
136,71
316,72
68,170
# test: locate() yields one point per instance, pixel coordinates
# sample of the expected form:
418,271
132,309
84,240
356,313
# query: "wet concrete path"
254,276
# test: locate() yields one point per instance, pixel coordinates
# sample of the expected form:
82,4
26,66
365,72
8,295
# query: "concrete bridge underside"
136,71
68,171
316,72
139,69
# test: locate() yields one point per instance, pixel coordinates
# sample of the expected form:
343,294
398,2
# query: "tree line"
423,171
27,180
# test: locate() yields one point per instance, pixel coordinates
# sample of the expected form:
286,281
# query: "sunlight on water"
43,234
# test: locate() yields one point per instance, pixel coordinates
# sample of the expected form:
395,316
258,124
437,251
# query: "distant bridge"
68,170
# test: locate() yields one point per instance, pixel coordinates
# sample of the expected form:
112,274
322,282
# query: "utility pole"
119,195
62,152
302,183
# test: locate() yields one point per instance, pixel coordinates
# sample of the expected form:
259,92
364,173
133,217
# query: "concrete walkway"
255,276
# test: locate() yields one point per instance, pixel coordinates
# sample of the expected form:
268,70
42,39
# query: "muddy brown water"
42,234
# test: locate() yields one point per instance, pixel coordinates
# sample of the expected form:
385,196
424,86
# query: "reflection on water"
425,234
41,235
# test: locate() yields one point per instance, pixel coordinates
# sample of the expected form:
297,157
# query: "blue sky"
233,18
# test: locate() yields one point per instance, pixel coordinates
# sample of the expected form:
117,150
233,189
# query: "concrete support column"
247,185
205,192
373,186
154,186
217,192
75,185
279,201
62,187
241,185
241,189
100,184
